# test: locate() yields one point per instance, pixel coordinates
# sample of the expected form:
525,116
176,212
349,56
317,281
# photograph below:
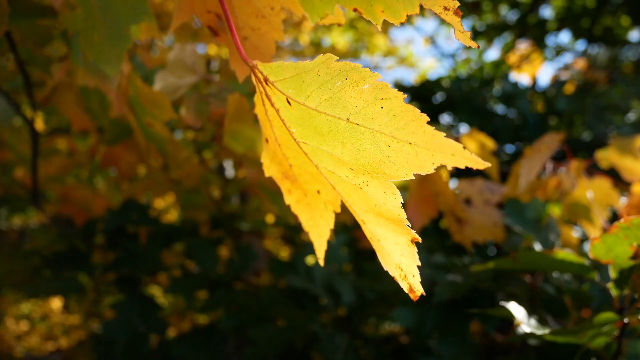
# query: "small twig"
620,341
625,324
234,34
33,132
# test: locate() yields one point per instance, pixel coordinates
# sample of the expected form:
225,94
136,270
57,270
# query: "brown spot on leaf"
213,31
289,102
413,293
356,10
458,13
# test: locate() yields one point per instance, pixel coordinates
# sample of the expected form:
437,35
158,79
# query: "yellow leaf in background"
185,67
485,147
525,59
258,22
396,13
558,185
332,133
567,237
526,169
632,208
480,219
622,154
427,195
241,132
590,203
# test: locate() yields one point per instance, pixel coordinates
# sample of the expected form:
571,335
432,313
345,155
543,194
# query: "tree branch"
620,341
33,132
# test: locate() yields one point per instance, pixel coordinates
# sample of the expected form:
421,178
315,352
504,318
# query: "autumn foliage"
186,177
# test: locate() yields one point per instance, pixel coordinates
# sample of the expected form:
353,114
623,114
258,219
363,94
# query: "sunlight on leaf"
379,10
526,169
619,246
332,133
484,146
622,154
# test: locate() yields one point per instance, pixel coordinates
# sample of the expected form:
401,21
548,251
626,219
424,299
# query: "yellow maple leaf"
526,169
332,133
396,13
258,23
477,218
337,17
589,204
622,154
484,146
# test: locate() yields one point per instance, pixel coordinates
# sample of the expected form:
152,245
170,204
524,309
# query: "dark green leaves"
563,261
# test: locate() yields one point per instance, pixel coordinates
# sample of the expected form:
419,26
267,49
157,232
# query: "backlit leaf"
590,203
426,196
332,133
485,147
480,219
396,13
527,168
622,154
619,245
525,60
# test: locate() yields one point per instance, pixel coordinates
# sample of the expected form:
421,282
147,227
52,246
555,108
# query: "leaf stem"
33,132
234,34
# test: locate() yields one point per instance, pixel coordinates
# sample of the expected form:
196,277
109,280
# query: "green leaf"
104,29
619,244
594,335
557,260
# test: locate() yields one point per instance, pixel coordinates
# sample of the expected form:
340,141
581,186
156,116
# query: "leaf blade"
326,143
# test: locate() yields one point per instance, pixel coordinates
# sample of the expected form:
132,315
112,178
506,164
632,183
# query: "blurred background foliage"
153,233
